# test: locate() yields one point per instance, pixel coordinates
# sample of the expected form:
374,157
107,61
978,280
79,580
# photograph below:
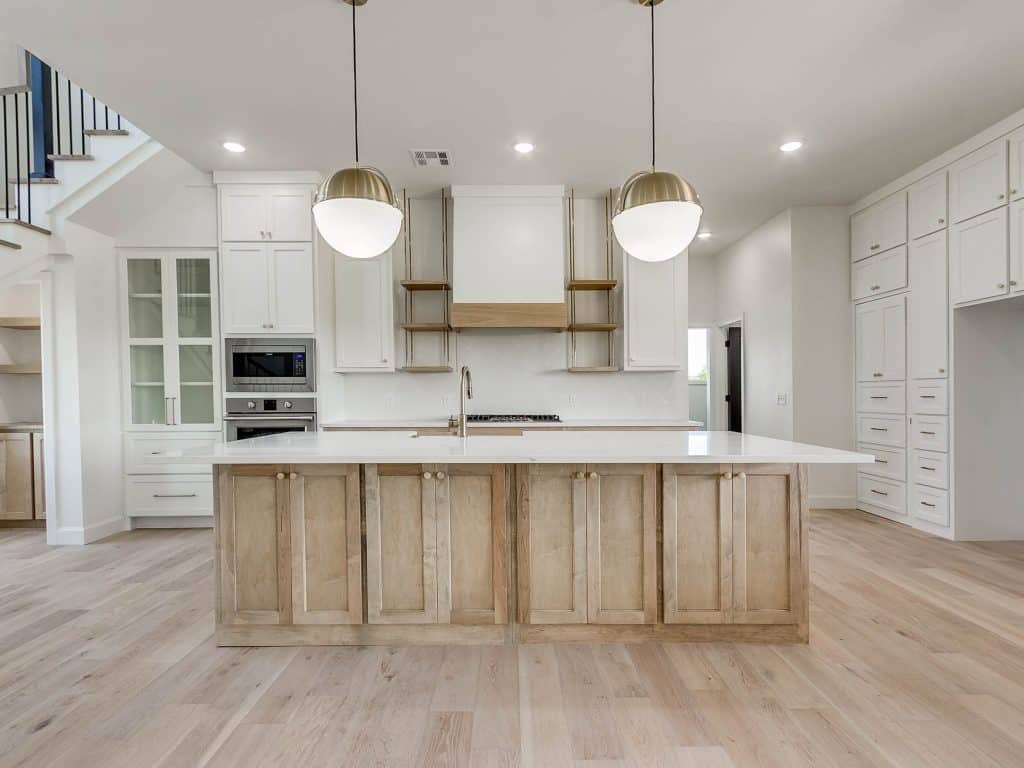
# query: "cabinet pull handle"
875,247
155,453
879,397
1000,286
1013,191
427,475
877,375
942,370
930,469
270,235
1013,282
1002,197
879,429
875,287
942,221
440,475
881,461
927,504
280,475
175,495
880,493
727,475
926,432
927,397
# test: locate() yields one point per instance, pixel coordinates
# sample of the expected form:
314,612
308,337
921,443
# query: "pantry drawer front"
931,396
890,463
880,274
930,433
884,495
930,468
148,453
930,505
881,398
162,496
882,430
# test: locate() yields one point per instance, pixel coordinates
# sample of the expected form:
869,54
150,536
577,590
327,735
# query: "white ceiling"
874,87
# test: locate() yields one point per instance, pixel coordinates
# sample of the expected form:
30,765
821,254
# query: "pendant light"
355,210
657,213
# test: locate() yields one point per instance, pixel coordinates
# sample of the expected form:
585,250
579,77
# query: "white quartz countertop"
530,447
430,423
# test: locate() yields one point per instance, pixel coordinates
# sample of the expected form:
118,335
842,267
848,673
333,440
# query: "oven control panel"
254,405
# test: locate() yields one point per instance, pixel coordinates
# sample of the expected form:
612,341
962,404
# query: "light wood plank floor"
916,659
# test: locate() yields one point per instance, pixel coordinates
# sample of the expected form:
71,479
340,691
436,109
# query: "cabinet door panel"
472,573
401,544
767,545
978,257
880,274
243,212
1017,164
621,544
38,476
926,205
326,545
245,289
289,214
16,476
254,577
892,221
364,335
697,523
1017,246
655,313
881,340
977,183
552,540
928,324
291,289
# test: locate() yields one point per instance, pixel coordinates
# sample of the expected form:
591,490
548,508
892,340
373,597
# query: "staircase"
61,146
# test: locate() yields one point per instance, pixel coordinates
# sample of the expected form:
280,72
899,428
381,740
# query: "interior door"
734,378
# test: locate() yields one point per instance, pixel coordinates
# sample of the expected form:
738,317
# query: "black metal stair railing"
16,122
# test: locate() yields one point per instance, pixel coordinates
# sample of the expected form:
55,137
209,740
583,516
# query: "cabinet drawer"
929,504
890,463
884,495
148,453
163,496
930,433
882,430
929,468
880,274
929,397
881,398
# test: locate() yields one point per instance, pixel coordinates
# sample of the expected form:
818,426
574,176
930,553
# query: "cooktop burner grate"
517,418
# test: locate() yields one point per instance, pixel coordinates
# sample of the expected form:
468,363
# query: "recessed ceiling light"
523,147
703,235
791,146
233,146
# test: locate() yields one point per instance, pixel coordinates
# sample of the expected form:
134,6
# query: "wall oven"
259,417
270,365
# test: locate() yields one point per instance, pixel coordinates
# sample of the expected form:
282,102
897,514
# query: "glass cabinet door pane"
195,363
145,297
195,318
147,384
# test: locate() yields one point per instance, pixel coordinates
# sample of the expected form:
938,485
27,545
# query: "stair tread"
33,227
105,132
71,157
34,181
9,244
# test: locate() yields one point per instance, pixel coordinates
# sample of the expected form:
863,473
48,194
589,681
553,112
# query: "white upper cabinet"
655,314
265,212
977,183
881,340
879,274
1017,164
978,263
926,205
1017,246
267,289
880,227
364,336
928,322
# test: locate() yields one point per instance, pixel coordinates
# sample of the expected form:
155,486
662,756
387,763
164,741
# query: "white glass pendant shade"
356,213
657,216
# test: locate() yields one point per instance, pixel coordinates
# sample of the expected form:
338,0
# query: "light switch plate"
781,399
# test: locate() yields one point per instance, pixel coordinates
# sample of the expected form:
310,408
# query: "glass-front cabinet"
170,321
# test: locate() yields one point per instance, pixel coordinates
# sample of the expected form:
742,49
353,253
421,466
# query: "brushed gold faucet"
465,390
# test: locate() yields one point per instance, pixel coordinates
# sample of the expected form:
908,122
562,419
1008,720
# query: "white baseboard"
832,502
98,531
199,521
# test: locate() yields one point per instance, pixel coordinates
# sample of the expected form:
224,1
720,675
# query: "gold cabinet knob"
593,475
942,221
942,370
1000,286
875,247
280,475
1002,197
742,475
1013,282
876,287
440,475
578,475
427,475
727,475
292,476
1013,191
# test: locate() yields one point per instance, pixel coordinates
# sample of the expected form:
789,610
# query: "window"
697,351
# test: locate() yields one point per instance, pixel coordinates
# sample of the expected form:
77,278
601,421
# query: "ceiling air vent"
424,158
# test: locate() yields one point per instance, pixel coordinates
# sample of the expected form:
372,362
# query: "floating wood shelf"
426,327
425,285
585,327
30,368
591,285
20,323
427,369
594,369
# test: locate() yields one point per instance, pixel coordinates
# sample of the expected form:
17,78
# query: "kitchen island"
404,538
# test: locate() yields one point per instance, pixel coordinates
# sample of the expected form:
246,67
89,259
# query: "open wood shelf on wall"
591,285
592,327
20,323
426,327
594,369
27,368
425,285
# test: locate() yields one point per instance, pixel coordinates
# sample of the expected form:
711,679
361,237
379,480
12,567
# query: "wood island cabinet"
15,476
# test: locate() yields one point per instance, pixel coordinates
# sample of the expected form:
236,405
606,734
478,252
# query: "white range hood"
508,257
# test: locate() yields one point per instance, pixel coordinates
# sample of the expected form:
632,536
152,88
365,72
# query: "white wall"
753,281
703,296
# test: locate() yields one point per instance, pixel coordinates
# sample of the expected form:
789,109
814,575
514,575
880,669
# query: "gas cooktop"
514,418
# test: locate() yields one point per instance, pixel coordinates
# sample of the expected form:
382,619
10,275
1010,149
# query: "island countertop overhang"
592,447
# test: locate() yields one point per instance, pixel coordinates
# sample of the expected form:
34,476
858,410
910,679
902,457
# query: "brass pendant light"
355,210
657,213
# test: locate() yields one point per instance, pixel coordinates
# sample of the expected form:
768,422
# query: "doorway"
732,398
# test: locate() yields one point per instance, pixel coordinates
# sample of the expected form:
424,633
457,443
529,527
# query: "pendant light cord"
355,83
654,138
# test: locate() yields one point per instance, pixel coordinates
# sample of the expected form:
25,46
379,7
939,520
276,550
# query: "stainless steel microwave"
270,365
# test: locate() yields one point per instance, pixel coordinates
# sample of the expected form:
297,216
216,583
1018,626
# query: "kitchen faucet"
465,390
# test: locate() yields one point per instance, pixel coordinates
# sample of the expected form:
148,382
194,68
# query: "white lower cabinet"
147,453
169,496
882,398
978,257
890,463
883,497
930,505
882,430
930,433
929,397
930,468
